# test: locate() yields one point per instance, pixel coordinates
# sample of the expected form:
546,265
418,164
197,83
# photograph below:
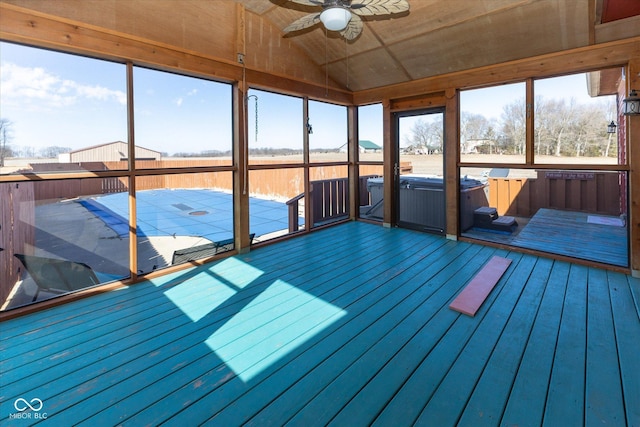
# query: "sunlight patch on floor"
196,299
268,342
199,297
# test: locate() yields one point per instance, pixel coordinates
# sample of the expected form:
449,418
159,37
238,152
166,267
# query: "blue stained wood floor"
346,326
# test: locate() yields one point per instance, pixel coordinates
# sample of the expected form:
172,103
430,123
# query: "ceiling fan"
344,15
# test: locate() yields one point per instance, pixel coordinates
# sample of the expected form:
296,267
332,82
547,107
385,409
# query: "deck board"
603,396
349,325
628,344
487,403
565,398
526,402
449,399
569,233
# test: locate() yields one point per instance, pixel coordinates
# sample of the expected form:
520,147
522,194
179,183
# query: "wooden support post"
451,160
241,173
133,238
354,155
308,215
633,146
390,158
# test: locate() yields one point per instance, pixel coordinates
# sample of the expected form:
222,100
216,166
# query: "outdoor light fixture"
631,105
335,18
611,127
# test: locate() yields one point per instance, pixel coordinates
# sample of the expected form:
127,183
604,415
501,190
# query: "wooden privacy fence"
592,192
281,183
17,231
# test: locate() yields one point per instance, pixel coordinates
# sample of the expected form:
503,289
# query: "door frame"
397,116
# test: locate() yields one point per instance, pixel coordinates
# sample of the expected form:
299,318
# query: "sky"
490,101
55,99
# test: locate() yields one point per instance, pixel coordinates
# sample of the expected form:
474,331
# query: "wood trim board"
473,295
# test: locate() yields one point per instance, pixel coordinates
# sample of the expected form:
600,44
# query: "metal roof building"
109,152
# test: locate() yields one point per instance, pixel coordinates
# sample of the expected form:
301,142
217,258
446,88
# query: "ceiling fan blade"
309,2
302,23
379,7
354,28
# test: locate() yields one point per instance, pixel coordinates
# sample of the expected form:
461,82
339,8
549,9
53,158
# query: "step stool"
504,223
484,216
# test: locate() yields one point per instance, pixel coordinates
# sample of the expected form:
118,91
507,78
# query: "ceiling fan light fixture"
335,18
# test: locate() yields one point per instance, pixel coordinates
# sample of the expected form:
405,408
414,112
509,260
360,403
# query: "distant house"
473,146
109,152
365,147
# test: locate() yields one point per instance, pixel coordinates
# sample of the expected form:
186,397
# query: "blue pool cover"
186,212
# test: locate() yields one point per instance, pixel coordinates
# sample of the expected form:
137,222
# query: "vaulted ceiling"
438,37
434,38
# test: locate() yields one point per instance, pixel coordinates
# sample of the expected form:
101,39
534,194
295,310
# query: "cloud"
35,87
179,102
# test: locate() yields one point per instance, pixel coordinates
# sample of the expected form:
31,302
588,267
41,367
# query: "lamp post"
631,105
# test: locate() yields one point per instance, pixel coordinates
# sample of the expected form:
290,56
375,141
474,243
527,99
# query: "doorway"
419,170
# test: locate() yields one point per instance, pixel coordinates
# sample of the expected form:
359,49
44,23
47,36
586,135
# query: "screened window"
275,128
60,239
60,112
370,164
493,124
571,120
370,133
329,137
549,204
181,121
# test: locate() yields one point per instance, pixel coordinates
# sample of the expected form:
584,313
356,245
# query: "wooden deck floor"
346,326
566,233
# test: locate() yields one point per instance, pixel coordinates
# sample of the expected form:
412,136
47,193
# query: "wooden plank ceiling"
438,37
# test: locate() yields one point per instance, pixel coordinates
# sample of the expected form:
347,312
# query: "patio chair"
56,275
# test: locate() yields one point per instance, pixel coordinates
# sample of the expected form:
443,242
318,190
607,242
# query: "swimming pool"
186,212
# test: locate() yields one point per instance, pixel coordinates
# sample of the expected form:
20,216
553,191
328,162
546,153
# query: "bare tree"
53,151
513,131
426,136
473,127
5,136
